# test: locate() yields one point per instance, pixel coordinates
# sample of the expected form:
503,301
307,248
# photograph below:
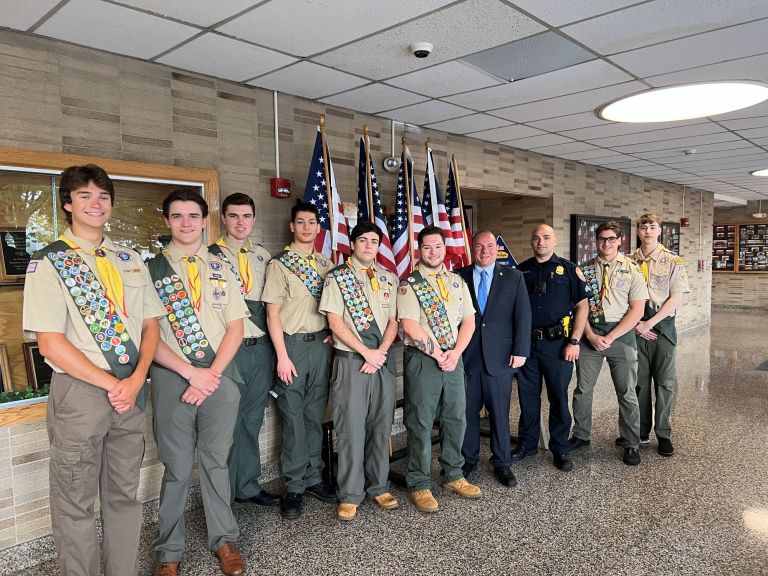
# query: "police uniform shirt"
565,287
383,303
626,284
298,308
49,306
666,275
258,258
221,301
458,307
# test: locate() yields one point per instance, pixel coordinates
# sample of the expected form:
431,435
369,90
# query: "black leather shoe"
467,469
290,505
620,441
262,498
505,476
665,447
521,453
562,462
322,492
575,443
631,456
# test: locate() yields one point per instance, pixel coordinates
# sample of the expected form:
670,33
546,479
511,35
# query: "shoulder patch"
580,274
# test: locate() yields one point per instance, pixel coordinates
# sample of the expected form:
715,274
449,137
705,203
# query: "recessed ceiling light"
763,172
684,102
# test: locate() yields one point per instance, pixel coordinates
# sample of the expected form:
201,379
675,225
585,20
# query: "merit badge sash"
180,313
596,313
437,315
257,309
305,272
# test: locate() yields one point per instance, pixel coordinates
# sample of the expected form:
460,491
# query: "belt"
254,341
348,354
554,332
308,336
539,334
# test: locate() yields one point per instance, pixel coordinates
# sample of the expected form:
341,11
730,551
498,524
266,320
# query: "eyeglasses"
608,240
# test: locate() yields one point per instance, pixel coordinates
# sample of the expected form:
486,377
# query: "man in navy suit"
499,346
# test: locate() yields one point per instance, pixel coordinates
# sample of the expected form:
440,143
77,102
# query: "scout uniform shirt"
220,298
382,301
458,305
626,284
666,274
60,298
298,308
258,258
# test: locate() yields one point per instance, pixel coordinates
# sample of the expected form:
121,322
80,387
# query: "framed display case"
753,247
583,242
38,372
723,247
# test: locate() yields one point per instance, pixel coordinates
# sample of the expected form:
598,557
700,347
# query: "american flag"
400,243
385,257
457,247
316,193
433,204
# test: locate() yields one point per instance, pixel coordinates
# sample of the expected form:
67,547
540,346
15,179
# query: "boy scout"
193,393
302,344
617,298
359,301
92,307
435,308
656,333
254,360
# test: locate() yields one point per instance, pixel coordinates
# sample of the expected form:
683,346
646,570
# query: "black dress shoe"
290,505
620,441
521,453
322,492
631,456
665,447
505,476
262,498
562,462
467,469
575,443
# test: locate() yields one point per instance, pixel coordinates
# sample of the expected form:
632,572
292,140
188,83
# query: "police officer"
558,293
656,333
616,302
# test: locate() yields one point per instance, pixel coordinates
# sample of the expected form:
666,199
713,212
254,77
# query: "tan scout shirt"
383,303
221,301
298,308
459,307
258,258
666,275
626,285
49,307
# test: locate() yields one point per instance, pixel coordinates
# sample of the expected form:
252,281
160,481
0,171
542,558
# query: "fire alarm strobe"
280,187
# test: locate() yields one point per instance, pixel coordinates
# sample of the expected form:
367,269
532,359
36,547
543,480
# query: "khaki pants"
93,449
655,370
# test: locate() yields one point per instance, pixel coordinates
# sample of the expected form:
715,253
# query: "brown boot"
166,569
230,561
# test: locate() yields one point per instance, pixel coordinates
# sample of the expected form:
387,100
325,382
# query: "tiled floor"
702,512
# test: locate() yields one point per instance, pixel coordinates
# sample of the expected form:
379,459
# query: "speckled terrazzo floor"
702,512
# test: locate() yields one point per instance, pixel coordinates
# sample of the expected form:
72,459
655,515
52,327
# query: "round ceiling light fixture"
684,102
763,172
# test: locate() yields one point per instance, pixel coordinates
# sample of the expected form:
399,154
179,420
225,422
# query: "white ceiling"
354,54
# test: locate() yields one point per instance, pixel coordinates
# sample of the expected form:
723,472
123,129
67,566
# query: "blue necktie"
482,291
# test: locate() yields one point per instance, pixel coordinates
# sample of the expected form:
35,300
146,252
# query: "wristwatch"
573,341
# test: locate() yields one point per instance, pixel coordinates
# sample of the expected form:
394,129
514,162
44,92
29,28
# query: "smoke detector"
759,214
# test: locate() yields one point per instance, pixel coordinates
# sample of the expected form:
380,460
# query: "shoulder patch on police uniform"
580,274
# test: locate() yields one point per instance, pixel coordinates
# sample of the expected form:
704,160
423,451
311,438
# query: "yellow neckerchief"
604,291
310,258
243,266
646,260
371,274
108,274
195,283
442,286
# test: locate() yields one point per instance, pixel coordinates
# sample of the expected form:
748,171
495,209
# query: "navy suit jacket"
504,329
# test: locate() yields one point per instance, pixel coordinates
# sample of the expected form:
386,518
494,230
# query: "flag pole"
328,190
467,251
408,207
369,185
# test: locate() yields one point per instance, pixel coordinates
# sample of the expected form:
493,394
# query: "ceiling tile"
559,106
443,79
752,68
600,159
709,48
483,24
608,129
557,12
242,61
373,98
306,27
308,80
569,122
114,28
200,12
654,22
537,142
753,133
659,135
701,149
426,112
694,141
756,110
680,160
506,133
586,155
472,123
567,148
21,14
744,123
578,78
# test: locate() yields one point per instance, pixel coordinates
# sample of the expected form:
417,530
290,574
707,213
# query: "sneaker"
645,441
423,500
464,488
665,447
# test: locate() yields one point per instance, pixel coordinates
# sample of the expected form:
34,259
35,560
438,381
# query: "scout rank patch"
354,298
596,313
437,315
180,314
304,271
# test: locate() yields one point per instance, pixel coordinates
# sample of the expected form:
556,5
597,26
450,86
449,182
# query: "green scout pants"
255,364
93,450
428,392
655,361
179,429
363,408
302,405
622,360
